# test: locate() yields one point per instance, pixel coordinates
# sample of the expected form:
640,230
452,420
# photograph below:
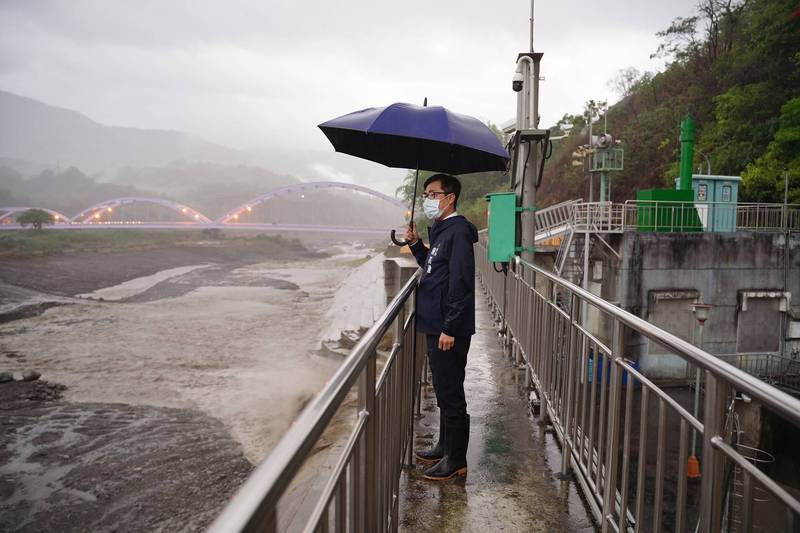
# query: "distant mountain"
57,158
35,132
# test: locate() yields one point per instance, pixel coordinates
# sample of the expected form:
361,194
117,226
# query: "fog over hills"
61,159
36,132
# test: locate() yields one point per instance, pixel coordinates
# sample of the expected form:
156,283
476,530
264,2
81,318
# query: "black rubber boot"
454,462
435,454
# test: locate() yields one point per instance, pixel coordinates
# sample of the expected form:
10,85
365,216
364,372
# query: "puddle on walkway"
513,483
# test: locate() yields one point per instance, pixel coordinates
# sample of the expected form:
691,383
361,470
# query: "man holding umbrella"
434,138
446,314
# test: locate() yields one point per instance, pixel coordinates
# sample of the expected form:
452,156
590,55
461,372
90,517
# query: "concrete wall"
661,274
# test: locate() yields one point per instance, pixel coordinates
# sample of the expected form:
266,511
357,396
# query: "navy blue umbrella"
411,136
420,137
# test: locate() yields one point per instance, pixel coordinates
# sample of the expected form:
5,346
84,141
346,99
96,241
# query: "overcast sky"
260,74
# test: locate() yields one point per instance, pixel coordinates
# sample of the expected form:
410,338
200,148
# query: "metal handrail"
581,381
744,382
255,505
746,216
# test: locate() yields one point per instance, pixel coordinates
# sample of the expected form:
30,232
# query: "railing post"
366,403
573,346
612,434
712,495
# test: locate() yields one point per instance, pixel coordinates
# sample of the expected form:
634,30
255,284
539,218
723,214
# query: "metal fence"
714,215
608,217
626,439
360,492
775,369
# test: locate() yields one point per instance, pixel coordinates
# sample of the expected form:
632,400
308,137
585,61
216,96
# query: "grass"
42,243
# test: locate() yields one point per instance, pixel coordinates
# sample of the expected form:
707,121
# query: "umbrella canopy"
411,136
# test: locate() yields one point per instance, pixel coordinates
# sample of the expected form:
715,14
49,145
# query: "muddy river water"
226,352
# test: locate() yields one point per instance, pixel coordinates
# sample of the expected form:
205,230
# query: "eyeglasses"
433,194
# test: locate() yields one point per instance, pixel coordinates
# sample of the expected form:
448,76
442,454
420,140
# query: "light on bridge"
183,210
109,209
249,208
97,215
196,215
236,216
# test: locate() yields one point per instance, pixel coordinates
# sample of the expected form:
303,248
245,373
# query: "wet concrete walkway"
512,484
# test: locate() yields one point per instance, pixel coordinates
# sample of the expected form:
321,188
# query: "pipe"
529,87
687,153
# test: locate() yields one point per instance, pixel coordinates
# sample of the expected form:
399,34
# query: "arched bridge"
233,215
102,214
99,210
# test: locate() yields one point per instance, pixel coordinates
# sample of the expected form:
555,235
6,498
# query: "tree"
679,40
763,181
624,81
36,217
721,17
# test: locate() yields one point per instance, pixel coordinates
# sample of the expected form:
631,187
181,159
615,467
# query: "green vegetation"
35,217
738,76
23,244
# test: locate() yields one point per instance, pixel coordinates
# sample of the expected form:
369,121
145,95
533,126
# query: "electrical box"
716,200
502,221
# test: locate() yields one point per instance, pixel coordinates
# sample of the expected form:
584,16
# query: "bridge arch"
6,214
230,216
193,215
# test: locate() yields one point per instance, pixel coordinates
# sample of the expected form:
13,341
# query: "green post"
687,153
604,196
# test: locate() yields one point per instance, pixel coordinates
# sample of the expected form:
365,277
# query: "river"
239,344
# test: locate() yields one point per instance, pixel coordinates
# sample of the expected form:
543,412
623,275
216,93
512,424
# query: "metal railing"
773,368
555,219
605,412
609,217
768,217
360,489
712,215
602,217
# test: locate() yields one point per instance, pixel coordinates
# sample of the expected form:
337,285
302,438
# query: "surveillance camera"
516,82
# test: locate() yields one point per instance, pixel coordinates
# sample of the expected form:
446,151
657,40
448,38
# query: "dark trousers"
447,371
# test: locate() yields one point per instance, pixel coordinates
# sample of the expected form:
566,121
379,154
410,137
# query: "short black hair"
450,185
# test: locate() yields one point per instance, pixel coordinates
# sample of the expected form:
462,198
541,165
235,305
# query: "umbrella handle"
394,239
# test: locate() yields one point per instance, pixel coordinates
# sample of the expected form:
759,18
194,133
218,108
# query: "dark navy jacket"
446,295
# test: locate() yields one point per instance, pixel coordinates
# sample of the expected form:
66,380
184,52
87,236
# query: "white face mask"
431,208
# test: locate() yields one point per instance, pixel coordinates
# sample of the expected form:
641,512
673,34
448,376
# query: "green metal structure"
672,210
687,153
605,160
502,221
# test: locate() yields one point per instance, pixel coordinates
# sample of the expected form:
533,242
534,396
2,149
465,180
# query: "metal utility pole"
589,144
528,136
785,224
701,312
532,6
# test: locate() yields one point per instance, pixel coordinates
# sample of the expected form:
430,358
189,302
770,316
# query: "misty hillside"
210,187
39,133
67,191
